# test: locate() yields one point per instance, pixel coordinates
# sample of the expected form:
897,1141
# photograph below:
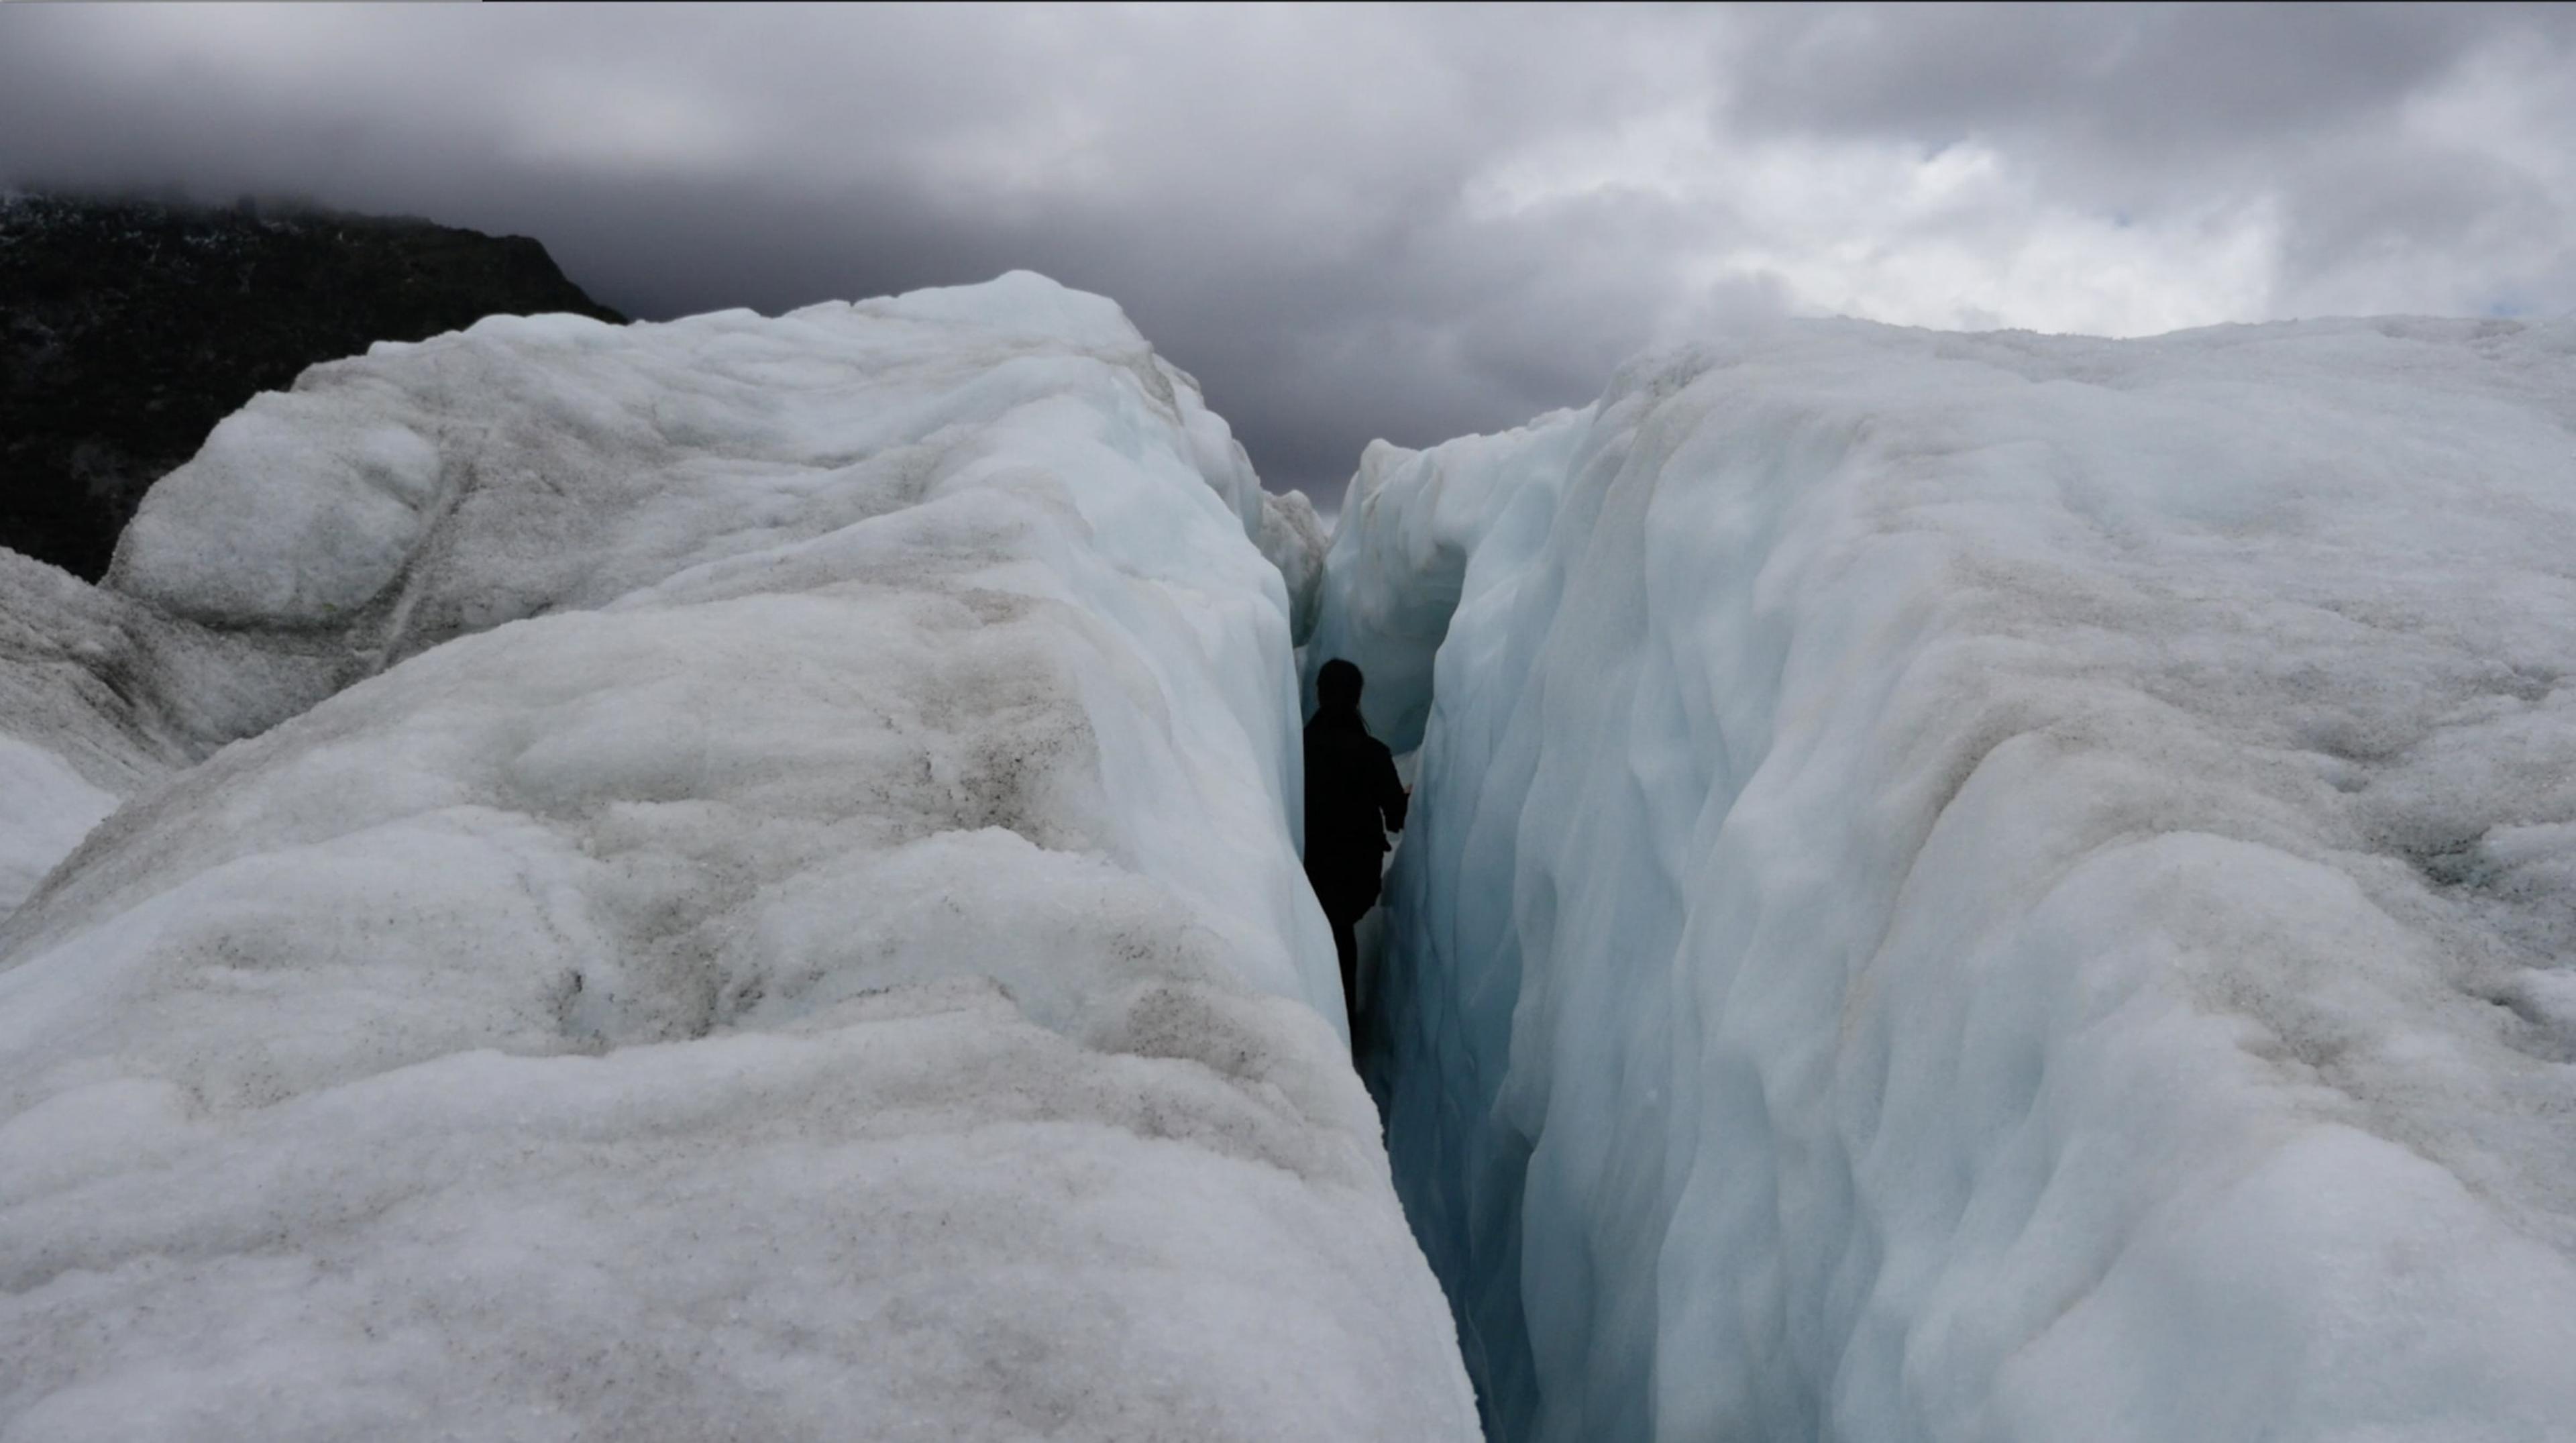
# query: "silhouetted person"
1353,799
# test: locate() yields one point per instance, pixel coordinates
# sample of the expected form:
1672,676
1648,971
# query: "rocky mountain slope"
128,328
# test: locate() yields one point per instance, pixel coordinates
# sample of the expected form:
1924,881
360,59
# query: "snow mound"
790,927
1994,887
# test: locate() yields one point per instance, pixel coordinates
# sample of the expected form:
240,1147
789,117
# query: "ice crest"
785,924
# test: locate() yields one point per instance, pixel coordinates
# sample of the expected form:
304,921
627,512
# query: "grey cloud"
1283,199
1274,205
2135,107
2144,79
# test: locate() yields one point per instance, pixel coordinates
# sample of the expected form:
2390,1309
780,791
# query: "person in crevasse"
1353,799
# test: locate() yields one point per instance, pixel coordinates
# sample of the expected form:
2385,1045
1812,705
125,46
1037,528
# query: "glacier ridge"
719,879
1992,886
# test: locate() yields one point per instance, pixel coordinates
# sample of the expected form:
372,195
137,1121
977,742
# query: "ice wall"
788,926
1292,536
1994,887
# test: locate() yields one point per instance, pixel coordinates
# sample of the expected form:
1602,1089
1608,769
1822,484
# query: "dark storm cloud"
2316,110
2144,80
1355,223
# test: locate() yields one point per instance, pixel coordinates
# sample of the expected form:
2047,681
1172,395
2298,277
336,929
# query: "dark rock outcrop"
128,328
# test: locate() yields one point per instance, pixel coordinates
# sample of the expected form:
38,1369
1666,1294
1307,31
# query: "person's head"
1337,685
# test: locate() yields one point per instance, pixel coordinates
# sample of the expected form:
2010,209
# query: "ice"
1993,887
785,925
50,809
101,696
69,742
1292,536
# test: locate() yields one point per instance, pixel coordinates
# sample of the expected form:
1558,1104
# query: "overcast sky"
1388,222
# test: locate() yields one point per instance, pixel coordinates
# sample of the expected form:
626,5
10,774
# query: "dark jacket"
1353,799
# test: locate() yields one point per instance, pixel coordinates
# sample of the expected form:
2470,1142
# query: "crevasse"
1992,887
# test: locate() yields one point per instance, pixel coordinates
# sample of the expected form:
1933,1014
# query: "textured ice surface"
1995,887
101,696
788,929
1292,536
49,808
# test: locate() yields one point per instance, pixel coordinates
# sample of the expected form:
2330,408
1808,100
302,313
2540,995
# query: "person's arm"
1391,798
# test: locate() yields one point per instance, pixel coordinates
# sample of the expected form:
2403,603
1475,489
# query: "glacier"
1992,886
707,880
734,879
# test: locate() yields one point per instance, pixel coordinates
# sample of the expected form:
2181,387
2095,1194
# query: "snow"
786,923
1993,887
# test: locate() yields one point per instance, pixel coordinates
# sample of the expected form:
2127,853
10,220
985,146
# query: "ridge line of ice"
783,921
